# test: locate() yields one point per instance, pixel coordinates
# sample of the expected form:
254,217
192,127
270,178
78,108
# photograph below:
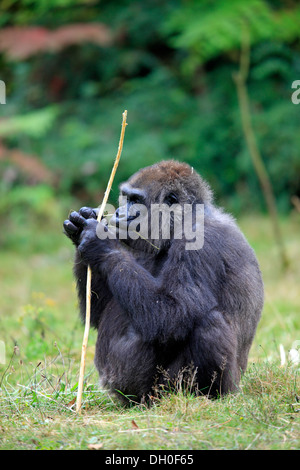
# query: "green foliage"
208,29
30,11
170,65
34,124
28,215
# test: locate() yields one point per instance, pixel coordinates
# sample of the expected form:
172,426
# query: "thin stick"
89,271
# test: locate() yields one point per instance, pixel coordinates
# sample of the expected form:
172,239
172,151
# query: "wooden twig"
240,79
89,271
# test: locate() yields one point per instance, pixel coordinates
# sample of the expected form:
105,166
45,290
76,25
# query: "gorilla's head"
153,203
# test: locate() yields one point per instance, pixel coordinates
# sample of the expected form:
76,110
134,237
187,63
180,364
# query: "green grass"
39,379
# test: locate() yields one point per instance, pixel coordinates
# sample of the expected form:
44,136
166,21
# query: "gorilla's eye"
171,199
135,199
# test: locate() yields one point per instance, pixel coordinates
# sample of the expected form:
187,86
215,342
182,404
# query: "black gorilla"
163,310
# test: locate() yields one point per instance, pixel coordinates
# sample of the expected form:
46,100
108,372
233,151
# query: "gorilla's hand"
81,227
74,225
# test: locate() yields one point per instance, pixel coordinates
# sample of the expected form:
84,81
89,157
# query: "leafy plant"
33,124
170,64
207,29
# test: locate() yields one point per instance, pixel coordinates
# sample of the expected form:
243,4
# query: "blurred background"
201,81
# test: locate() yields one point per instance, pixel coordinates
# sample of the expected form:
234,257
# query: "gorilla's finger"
96,211
77,219
70,228
88,213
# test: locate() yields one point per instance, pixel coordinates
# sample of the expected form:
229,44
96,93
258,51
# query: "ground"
42,334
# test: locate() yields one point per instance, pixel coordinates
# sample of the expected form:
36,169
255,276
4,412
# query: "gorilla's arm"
99,289
160,308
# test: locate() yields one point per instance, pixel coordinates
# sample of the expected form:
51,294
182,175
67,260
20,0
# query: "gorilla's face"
153,203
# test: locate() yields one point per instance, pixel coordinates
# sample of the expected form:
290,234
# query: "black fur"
160,312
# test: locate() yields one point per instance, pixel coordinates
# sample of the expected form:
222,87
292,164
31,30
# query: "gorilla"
165,310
